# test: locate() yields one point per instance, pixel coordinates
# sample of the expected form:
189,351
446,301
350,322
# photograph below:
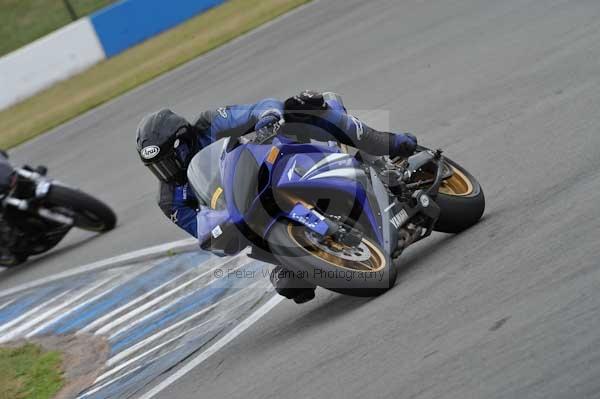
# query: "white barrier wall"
52,58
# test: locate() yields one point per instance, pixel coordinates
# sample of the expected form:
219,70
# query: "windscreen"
204,173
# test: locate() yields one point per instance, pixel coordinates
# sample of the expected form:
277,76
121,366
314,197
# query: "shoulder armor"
204,120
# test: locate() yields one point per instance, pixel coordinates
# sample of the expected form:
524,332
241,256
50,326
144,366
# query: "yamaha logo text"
399,219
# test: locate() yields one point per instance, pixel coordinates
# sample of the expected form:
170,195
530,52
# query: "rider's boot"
289,285
305,295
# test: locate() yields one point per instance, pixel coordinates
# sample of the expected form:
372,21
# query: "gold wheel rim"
375,263
458,185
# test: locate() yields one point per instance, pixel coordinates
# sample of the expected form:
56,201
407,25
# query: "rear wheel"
88,212
362,270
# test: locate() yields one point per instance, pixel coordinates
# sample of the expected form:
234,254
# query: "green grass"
23,21
139,64
28,372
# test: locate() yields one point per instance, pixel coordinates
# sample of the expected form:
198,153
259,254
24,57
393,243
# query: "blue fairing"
228,166
298,166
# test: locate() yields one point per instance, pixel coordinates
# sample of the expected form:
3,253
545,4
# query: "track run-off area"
154,308
507,309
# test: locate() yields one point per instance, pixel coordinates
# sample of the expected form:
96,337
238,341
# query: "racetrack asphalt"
507,309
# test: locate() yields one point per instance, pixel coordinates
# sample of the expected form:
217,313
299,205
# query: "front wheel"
89,213
363,270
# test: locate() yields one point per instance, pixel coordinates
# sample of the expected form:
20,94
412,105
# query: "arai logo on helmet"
150,152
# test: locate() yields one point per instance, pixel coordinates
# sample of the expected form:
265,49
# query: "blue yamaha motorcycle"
337,218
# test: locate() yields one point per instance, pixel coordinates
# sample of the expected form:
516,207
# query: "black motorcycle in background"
36,212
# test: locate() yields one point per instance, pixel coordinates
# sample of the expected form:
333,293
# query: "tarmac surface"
507,309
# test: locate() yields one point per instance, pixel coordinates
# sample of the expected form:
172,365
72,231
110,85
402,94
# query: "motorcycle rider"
166,143
8,231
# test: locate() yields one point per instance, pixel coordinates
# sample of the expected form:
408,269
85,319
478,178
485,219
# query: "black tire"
459,212
89,213
294,256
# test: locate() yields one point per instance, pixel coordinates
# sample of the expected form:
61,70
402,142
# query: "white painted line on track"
142,355
7,303
120,367
193,363
129,351
128,316
119,278
39,319
93,391
153,349
28,314
111,315
133,370
142,254
121,260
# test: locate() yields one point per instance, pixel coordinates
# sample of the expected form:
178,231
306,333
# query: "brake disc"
359,253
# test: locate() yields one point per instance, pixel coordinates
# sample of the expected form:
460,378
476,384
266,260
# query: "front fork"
413,219
413,214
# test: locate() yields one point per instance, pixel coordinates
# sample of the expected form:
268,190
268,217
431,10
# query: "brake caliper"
311,219
324,227
347,236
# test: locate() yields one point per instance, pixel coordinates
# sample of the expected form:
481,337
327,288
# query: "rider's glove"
304,106
308,100
402,145
270,120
